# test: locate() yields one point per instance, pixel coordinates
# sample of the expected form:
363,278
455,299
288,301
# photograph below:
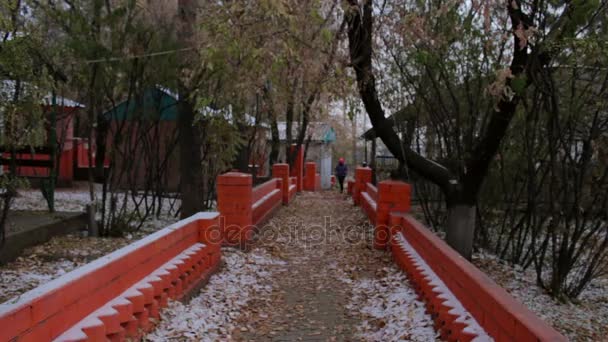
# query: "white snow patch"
14,282
76,200
211,316
389,308
444,292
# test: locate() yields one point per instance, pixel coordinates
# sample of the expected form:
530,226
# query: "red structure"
65,146
392,196
234,202
118,297
465,303
298,166
363,175
281,171
312,180
72,151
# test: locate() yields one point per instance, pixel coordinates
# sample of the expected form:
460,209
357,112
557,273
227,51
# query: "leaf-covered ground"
312,275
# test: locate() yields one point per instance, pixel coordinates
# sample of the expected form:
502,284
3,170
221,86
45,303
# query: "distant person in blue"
341,171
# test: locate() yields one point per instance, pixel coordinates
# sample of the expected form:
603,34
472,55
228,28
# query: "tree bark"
461,193
289,157
189,159
275,144
461,228
355,138
191,172
100,142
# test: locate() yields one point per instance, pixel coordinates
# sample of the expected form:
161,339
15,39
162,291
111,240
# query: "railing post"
282,171
234,202
310,177
363,175
393,196
298,166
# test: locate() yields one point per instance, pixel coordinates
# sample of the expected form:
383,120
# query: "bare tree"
460,185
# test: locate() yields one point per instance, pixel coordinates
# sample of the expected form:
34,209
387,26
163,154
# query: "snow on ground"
389,308
42,263
586,320
70,200
76,199
15,281
212,315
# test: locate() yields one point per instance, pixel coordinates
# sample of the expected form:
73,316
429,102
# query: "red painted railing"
243,208
117,296
466,303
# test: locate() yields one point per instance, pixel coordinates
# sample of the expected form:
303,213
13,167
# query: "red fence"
243,208
267,198
116,297
466,303
288,184
312,180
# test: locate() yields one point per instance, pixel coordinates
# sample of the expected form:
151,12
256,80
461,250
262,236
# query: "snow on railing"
454,321
446,279
114,296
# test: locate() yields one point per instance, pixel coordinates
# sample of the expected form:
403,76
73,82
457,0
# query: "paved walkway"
317,235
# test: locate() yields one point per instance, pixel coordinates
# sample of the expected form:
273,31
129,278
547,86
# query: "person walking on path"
341,171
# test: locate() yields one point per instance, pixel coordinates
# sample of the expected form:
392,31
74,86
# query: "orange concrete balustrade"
312,180
116,297
369,199
242,207
350,186
500,315
466,304
363,175
298,166
288,186
267,198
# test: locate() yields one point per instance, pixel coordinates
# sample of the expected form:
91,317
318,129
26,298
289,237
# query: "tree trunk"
100,141
461,220
275,145
289,157
461,228
190,160
354,142
243,155
372,163
191,171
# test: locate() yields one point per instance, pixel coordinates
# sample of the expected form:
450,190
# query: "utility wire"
151,54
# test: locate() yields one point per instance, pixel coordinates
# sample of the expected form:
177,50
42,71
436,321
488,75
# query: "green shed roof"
155,104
